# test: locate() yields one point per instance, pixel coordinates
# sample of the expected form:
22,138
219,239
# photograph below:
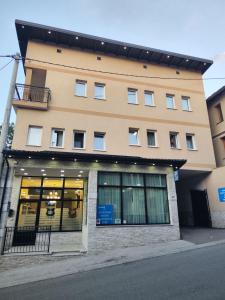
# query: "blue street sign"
105,214
221,193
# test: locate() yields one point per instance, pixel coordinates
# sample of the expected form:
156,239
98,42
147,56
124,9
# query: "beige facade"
113,115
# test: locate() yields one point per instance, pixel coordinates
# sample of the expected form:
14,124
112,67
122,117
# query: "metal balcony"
31,97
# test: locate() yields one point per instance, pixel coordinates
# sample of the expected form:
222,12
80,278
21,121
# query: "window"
223,141
81,87
55,202
99,91
34,136
99,141
190,141
132,96
78,139
170,101
149,100
151,137
130,199
185,104
174,140
133,136
57,137
219,113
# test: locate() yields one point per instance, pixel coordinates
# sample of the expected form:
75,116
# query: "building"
101,128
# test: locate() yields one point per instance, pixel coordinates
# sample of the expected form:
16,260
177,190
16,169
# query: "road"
196,274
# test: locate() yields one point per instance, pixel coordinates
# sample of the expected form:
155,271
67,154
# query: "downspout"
4,187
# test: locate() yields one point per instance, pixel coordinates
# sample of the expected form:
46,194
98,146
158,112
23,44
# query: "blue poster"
105,214
221,193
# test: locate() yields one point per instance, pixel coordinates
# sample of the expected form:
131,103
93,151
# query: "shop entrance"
200,208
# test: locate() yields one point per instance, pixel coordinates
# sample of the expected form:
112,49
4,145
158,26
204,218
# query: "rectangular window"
185,101
57,139
149,99
99,141
132,96
79,139
34,136
190,141
132,199
99,91
133,136
151,137
55,202
174,143
219,113
81,87
170,101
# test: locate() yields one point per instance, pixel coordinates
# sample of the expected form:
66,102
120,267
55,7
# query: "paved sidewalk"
54,269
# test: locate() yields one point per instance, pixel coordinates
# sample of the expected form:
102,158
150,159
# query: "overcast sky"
193,27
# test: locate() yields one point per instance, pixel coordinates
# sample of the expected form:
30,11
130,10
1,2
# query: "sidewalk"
54,266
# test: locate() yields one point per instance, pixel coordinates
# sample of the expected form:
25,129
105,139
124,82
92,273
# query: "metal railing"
32,93
25,239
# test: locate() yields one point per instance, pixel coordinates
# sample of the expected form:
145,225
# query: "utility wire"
3,67
113,73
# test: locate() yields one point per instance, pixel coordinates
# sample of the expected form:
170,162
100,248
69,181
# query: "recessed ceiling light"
153,164
171,165
81,171
96,160
79,175
116,162
75,159
29,156
102,43
53,158
42,170
176,167
147,52
25,174
62,175
49,32
9,156
187,60
77,38
204,64
135,163
44,174
168,56
62,171
21,169
125,48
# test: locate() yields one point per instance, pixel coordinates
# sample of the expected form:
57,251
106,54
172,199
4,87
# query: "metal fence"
25,239
32,93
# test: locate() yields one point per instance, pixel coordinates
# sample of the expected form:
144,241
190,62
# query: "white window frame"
153,100
29,133
104,143
177,140
84,141
80,81
193,141
136,95
52,131
98,84
156,139
188,101
138,140
174,103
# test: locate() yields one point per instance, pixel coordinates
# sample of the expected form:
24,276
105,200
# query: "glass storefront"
132,199
55,202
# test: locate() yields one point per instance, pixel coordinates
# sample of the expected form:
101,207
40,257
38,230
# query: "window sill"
100,150
153,146
102,99
172,148
33,145
192,149
185,110
172,108
133,145
132,225
133,103
78,148
150,105
55,147
81,96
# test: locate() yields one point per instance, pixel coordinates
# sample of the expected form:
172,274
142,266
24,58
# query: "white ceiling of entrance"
28,171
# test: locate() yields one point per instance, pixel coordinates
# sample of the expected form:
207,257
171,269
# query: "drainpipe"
4,187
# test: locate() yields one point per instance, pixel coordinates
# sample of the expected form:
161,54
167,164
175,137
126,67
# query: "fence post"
49,238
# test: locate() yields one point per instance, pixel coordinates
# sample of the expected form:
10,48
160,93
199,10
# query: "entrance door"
200,208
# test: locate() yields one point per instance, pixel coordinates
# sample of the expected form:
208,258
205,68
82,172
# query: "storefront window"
46,202
132,198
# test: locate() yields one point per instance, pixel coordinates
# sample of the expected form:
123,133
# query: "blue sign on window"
105,214
221,193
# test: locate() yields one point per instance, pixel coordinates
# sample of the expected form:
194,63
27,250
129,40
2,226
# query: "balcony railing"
29,96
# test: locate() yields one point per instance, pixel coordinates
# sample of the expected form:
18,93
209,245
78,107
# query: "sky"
192,27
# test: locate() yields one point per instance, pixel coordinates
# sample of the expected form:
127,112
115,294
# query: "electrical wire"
112,73
3,67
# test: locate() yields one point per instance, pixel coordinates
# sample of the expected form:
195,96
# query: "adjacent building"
102,129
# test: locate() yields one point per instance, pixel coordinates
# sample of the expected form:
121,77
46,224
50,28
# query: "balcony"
31,97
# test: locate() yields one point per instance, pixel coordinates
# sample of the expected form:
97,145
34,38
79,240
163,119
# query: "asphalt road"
197,274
